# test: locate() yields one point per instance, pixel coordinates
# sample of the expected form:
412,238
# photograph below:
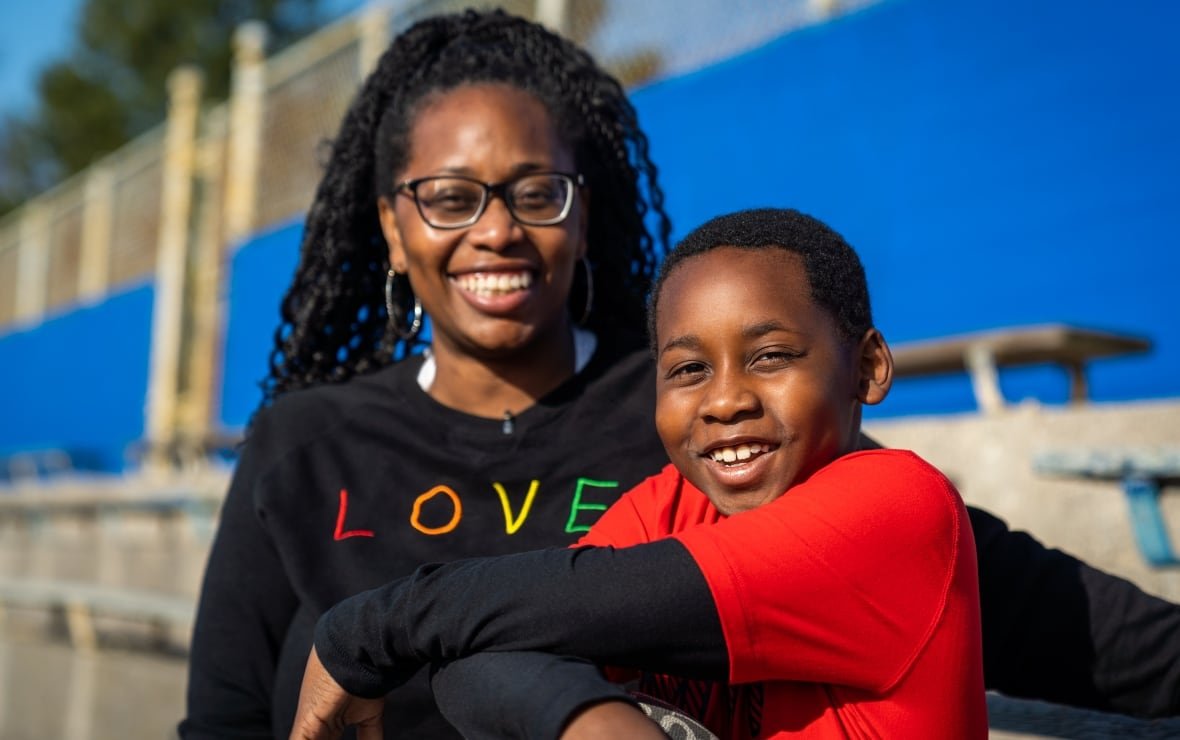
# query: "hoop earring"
589,292
396,315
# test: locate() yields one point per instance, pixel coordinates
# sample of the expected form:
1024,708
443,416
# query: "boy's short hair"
833,269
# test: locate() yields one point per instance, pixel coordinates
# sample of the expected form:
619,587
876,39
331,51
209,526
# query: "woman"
491,176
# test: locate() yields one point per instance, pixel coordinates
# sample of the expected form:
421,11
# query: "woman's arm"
530,695
578,602
520,695
645,606
245,607
1057,629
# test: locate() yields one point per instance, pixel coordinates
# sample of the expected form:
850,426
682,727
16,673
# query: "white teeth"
742,452
489,284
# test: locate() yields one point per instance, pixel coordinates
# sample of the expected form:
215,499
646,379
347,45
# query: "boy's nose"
728,398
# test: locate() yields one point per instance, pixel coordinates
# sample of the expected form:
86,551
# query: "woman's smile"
491,284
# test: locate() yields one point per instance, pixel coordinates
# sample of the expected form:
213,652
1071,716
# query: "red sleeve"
843,578
623,523
657,507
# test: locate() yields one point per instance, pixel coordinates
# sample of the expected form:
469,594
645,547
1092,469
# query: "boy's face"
755,387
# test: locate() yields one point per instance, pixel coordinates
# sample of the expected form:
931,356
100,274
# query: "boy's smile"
756,387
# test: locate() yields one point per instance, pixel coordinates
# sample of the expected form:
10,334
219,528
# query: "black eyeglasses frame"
409,188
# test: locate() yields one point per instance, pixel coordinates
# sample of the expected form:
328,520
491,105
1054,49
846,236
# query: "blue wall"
259,273
995,162
78,382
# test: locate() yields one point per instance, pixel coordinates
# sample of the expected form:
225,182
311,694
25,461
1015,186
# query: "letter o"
417,512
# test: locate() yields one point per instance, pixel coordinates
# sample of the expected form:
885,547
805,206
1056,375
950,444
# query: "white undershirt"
584,345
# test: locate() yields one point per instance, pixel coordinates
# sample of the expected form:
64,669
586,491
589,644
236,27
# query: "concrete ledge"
82,603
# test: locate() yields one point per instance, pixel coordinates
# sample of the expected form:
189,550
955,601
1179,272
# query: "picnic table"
981,354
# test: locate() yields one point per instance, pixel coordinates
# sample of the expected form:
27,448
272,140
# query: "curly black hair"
833,269
334,321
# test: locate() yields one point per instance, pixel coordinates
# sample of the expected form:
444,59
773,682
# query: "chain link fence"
138,176
9,265
303,106
101,230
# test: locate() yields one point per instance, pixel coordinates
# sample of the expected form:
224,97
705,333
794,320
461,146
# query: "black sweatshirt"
342,488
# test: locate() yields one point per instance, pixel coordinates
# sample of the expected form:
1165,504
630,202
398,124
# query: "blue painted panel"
995,162
78,382
259,273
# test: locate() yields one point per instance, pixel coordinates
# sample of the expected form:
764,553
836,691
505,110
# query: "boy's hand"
325,708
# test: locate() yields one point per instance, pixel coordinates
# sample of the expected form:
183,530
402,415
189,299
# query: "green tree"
112,85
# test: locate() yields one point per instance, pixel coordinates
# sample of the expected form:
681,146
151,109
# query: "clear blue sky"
34,33
31,35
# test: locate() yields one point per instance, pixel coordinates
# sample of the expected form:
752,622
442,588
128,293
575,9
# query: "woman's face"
496,286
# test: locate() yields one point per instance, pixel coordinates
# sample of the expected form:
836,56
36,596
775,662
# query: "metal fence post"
97,218
197,408
32,263
184,90
553,14
245,129
374,29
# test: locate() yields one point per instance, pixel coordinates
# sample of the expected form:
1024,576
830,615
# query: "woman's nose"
496,227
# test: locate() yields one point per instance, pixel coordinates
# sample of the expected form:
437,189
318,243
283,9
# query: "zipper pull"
508,424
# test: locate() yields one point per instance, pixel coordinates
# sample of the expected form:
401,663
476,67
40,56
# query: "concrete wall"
990,458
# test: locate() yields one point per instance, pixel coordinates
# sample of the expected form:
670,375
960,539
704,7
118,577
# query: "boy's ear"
393,237
875,366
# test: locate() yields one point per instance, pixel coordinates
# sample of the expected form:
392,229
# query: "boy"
833,589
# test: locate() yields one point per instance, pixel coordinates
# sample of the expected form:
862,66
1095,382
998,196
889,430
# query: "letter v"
341,533
510,524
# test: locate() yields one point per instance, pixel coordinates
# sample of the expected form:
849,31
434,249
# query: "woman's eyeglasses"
453,202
